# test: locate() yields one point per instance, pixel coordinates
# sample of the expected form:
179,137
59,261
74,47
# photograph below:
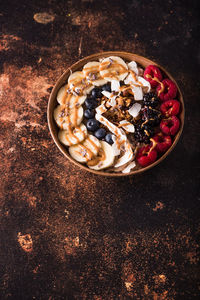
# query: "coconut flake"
106,94
133,67
128,155
138,93
135,109
145,83
129,167
128,126
101,108
114,129
129,79
115,85
112,100
115,147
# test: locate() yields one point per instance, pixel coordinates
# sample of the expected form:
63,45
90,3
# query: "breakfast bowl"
115,114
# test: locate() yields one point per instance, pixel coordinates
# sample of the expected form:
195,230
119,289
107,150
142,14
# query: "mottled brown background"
92,237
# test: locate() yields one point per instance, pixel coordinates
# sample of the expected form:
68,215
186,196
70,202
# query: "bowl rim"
75,67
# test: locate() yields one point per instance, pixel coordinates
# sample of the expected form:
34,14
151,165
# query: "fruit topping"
108,138
89,113
92,124
146,155
153,75
106,87
91,103
143,133
167,91
151,116
104,159
170,126
150,99
100,133
135,109
170,108
96,92
163,142
113,67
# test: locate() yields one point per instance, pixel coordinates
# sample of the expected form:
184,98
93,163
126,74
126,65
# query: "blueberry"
109,139
91,103
89,113
100,133
106,87
96,92
92,124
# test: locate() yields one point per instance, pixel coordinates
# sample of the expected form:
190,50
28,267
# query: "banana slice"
76,136
85,151
91,72
78,83
113,68
62,94
104,159
66,117
76,101
64,98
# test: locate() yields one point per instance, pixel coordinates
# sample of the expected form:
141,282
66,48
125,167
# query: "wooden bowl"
144,62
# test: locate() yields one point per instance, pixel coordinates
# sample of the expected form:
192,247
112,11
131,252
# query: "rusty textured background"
68,234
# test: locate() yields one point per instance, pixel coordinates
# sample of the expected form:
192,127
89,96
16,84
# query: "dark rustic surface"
66,233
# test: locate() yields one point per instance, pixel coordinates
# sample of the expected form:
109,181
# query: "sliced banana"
62,94
76,136
76,101
80,153
78,83
64,98
92,73
93,144
113,68
85,151
65,117
104,159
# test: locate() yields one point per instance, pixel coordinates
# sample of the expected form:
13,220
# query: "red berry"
164,142
166,90
170,108
170,126
153,75
146,156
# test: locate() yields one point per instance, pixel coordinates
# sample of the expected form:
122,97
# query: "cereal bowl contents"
116,113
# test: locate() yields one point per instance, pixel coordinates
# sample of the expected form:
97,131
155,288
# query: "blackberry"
151,115
143,133
150,99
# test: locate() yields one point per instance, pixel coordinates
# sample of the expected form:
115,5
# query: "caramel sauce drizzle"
122,125
136,80
157,80
111,66
100,157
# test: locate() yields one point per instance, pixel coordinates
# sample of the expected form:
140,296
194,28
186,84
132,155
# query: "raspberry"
166,90
153,75
170,108
170,126
164,142
146,156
